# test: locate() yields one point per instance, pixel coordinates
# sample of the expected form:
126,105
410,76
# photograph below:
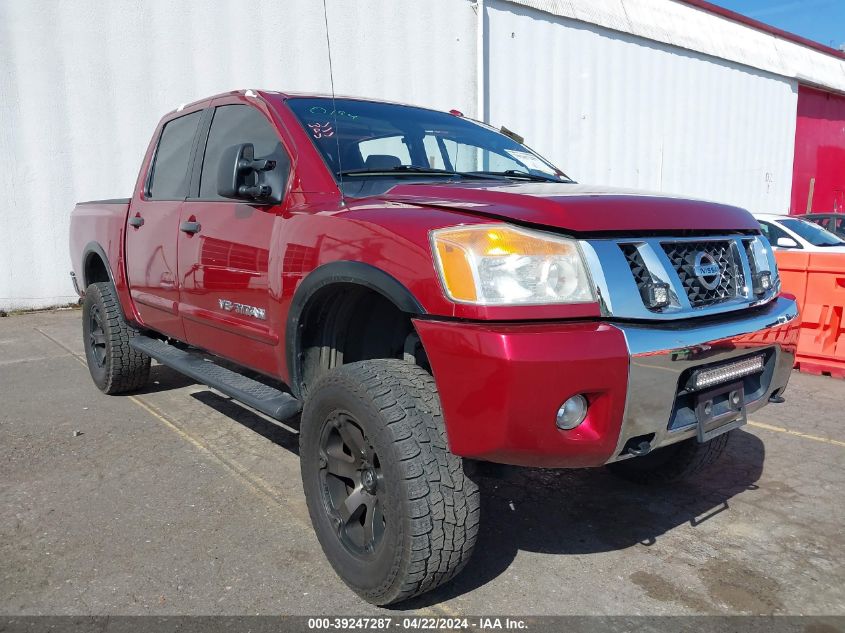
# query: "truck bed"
97,222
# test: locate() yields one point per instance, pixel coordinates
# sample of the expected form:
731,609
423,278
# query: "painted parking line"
253,481
780,429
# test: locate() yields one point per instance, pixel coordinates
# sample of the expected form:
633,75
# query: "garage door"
818,182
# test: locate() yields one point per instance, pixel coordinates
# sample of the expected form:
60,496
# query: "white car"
790,233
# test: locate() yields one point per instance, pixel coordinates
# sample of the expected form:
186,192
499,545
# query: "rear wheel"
392,508
115,367
671,463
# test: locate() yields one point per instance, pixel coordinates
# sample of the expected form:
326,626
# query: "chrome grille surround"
619,266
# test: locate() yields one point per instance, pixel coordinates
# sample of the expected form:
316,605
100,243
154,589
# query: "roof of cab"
264,94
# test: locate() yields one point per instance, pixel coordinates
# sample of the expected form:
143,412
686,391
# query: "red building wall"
819,152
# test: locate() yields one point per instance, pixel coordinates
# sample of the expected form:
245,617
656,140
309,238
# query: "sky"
819,20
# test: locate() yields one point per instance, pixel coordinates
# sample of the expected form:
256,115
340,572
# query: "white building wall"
612,108
681,25
83,83
645,93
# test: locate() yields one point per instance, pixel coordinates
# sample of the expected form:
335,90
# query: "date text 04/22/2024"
417,623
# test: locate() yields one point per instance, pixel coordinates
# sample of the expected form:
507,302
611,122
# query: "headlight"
500,264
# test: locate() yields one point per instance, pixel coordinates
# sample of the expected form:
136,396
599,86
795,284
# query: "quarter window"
169,173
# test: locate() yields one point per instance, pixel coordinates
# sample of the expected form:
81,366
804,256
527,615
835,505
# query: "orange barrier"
818,282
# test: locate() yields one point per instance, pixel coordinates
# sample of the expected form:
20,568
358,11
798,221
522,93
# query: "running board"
269,400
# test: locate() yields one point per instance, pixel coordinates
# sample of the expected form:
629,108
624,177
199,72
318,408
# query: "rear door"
153,225
224,264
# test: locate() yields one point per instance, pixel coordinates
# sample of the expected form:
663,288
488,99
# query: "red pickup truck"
426,293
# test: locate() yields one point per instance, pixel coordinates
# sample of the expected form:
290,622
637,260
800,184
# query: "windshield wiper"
515,173
412,170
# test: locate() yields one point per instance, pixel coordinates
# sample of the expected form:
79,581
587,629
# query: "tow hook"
776,398
643,448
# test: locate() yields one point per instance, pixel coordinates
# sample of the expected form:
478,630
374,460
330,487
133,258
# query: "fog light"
572,412
762,282
655,295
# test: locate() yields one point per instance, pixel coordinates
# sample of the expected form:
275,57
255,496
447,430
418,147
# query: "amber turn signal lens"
457,271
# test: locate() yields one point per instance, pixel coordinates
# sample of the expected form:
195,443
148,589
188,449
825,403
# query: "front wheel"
392,508
671,463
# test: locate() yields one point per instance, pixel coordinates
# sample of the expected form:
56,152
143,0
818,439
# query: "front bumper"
501,385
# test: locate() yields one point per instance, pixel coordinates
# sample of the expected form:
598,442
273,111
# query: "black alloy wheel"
97,336
352,484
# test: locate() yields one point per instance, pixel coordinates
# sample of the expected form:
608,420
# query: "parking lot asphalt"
177,500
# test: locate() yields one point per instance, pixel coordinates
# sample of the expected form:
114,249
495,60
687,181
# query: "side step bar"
269,400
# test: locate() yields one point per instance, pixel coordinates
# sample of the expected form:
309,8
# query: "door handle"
137,221
190,227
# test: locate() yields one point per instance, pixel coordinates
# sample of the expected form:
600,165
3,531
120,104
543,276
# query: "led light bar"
726,373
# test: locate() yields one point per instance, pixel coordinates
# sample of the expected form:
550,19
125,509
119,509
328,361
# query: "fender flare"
339,272
95,249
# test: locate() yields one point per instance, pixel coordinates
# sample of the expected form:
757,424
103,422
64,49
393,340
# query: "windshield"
395,140
813,233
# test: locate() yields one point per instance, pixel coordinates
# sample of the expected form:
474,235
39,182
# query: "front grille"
639,270
683,257
636,264
749,254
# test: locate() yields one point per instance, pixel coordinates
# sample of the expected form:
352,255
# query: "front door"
153,226
224,259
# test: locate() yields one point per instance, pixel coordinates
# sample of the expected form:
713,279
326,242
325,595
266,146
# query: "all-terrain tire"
115,367
672,463
425,506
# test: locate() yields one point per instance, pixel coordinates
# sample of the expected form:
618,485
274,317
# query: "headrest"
382,161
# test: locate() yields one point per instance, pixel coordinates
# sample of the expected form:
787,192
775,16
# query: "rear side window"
236,125
169,174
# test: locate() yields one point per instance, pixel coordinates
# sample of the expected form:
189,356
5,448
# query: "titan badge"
242,308
707,270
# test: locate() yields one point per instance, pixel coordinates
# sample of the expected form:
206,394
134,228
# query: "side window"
387,151
169,173
463,157
773,233
470,158
433,153
236,125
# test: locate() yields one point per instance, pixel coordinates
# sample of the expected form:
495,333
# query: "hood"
576,208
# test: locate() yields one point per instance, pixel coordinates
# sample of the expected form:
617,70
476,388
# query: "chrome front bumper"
661,356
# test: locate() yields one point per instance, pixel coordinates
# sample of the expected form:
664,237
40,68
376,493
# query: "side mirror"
786,242
239,175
